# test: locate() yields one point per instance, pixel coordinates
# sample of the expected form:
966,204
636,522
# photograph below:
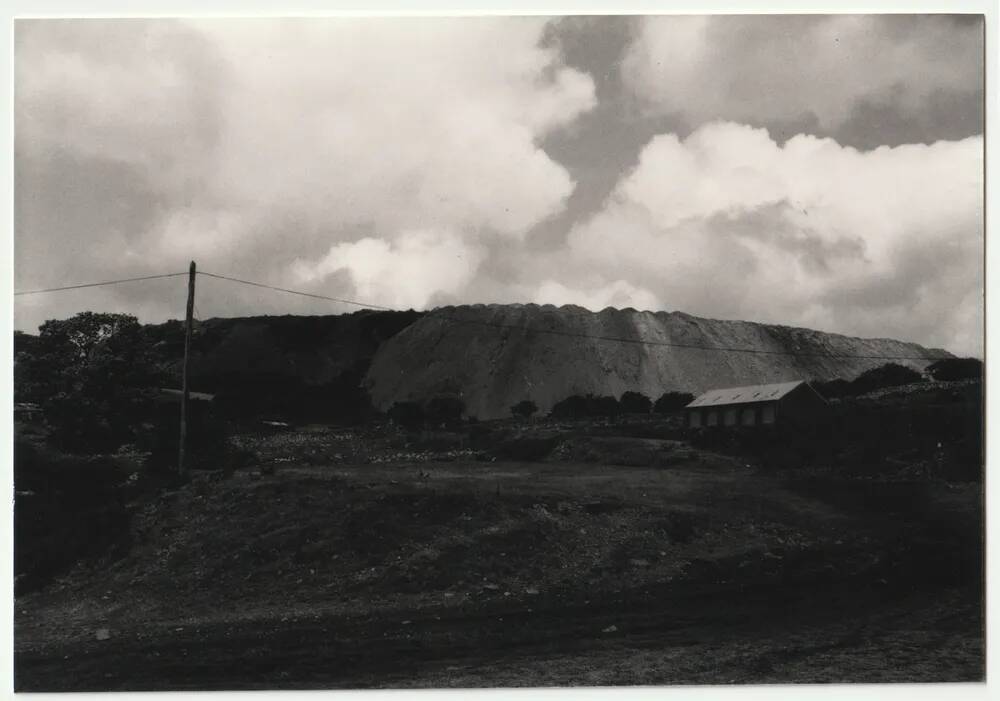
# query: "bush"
250,395
579,407
670,402
409,415
524,409
444,410
888,375
66,508
527,448
603,406
833,389
206,446
956,369
635,403
573,407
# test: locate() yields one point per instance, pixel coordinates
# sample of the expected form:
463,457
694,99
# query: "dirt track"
766,637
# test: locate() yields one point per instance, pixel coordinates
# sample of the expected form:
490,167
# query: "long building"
757,405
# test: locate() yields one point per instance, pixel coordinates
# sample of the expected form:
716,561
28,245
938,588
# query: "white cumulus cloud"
618,294
406,273
251,144
728,223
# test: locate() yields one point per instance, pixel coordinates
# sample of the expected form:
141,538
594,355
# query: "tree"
672,401
578,407
956,369
832,389
92,374
409,415
524,409
635,403
888,375
83,334
444,410
572,407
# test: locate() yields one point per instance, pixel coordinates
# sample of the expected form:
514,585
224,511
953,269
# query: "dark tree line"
896,375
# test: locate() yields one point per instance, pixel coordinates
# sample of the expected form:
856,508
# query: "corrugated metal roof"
745,395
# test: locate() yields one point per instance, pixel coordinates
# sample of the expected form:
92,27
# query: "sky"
818,171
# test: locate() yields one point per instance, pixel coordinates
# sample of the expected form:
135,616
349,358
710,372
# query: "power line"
297,292
441,314
96,284
692,346
556,332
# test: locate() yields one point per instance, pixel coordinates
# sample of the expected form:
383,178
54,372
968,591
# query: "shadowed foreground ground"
520,574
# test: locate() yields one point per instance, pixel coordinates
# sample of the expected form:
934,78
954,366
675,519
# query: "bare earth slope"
496,355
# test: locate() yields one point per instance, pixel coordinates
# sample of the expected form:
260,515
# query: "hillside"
494,355
311,365
344,559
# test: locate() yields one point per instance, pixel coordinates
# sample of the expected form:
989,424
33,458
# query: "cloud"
435,161
256,145
618,294
819,72
406,273
728,223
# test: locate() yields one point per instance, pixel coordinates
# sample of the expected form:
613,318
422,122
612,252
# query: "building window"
713,419
695,419
730,417
748,417
767,414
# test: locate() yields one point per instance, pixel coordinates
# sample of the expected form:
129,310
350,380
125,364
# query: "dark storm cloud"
865,80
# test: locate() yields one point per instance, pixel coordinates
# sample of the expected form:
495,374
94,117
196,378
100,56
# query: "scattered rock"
610,629
103,634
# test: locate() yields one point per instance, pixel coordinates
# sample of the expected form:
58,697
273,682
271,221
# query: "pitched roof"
745,395
170,393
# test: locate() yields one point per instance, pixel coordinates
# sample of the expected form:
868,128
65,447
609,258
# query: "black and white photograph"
498,351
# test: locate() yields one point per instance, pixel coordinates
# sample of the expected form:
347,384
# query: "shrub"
603,406
832,389
578,407
956,369
524,409
527,448
635,403
206,444
888,375
672,401
444,410
572,407
409,415
66,508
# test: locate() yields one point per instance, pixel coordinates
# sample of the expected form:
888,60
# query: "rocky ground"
347,560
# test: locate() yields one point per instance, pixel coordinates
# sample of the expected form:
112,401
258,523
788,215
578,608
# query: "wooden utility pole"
184,368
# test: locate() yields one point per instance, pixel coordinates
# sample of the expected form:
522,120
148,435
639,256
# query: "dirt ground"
468,574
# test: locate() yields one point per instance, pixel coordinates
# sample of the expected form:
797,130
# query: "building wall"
802,406
757,414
